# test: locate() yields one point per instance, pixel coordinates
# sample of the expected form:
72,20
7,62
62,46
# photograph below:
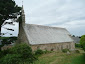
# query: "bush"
77,51
1,54
82,41
22,51
84,55
39,52
0,47
65,50
25,51
7,51
46,51
77,45
11,59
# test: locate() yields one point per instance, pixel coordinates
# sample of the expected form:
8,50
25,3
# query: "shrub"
11,59
77,51
18,53
65,50
0,47
77,45
4,52
22,49
84,55
82,41
1,55
39,52
46,51
25,51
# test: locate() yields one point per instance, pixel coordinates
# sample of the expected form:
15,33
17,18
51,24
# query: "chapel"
44,37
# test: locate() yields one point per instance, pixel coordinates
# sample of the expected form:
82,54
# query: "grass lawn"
61,58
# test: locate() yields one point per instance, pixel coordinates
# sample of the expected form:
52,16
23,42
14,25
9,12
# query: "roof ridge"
46,26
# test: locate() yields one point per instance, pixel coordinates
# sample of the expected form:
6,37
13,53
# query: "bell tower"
21,26
23,16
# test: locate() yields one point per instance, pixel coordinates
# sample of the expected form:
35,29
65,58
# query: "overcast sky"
69,14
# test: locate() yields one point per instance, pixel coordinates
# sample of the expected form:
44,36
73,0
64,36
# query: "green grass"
77,60
61,58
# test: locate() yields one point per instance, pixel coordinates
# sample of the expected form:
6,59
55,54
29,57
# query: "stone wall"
6,47
22,35
54,47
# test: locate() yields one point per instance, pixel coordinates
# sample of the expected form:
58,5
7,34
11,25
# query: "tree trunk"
1,22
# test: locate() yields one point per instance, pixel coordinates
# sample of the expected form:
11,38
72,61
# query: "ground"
61,58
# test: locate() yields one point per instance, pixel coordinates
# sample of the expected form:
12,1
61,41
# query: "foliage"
46,51
4,52
82,41
77,45
4,38
8,10
77,51
0,47
1,54
73,36
11,59
21,51
65,50
39,52
84,55
8,40
12,39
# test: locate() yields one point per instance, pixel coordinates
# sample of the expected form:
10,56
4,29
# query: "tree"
9,40
73,35
82,41
8,10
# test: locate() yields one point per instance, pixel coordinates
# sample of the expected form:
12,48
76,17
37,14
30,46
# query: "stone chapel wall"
54,47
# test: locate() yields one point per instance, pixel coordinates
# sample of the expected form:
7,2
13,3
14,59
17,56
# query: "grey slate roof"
38,34
76,39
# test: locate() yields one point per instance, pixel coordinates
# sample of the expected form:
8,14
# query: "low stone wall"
6,47
54,47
